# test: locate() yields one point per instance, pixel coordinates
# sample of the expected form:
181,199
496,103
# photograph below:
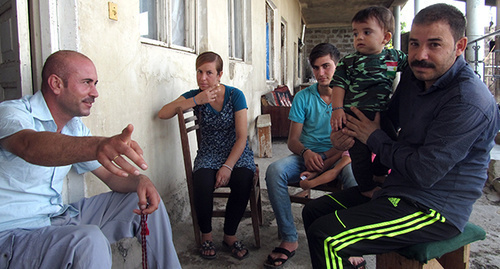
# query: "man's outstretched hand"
111,153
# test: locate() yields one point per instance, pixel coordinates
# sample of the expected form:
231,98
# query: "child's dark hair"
382,14
323,49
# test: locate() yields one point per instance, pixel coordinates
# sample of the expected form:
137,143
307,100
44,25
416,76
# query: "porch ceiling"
327,13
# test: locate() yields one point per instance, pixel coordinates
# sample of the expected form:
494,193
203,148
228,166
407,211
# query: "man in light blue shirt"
309,140
41,138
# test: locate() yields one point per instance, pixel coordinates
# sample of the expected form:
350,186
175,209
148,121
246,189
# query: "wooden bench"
448,254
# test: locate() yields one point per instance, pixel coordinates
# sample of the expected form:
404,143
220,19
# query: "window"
148,19
269,41
236,17
171,22
283,49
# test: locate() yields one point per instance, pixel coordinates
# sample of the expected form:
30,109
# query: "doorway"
15,55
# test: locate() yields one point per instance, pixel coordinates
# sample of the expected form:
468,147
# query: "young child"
310,179
364,80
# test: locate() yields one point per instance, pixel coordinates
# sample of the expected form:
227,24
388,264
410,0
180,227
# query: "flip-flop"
361,265
207,246
271,263
236,248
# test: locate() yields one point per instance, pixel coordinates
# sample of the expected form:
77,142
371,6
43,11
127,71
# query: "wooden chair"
304,196
188,122
448,254
301,196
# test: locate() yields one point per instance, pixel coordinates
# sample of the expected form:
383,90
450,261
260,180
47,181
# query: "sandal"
236,248
208,246
271,263
362,265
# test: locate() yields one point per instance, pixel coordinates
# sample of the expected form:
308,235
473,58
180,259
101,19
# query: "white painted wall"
137,79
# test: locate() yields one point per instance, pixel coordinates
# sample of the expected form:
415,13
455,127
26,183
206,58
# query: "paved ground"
484,254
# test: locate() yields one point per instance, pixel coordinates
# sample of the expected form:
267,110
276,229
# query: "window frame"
270,41
164,25
234,29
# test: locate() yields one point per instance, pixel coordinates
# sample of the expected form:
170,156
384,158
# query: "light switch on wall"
113,11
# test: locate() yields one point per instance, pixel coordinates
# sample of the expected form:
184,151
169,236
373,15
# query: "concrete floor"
189,254
484,254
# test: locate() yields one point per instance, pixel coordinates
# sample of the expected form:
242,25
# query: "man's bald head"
59,63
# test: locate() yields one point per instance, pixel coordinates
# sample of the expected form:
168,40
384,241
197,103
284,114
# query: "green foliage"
403,27
403,30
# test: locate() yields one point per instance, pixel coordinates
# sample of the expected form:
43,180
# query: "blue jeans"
278,175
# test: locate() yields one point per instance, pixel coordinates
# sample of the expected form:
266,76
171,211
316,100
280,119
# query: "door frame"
53,27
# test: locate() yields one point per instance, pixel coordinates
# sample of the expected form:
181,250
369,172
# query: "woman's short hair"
210,57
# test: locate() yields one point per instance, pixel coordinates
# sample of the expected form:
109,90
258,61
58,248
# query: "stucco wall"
341,37
136,79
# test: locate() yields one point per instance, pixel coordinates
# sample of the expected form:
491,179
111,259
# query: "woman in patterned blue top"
224,157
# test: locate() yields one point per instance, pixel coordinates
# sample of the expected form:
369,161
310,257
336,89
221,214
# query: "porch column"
475,30
396,38
417,6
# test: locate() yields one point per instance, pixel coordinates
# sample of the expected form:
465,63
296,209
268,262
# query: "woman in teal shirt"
224,157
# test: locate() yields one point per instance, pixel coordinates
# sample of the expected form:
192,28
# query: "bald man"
41,138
